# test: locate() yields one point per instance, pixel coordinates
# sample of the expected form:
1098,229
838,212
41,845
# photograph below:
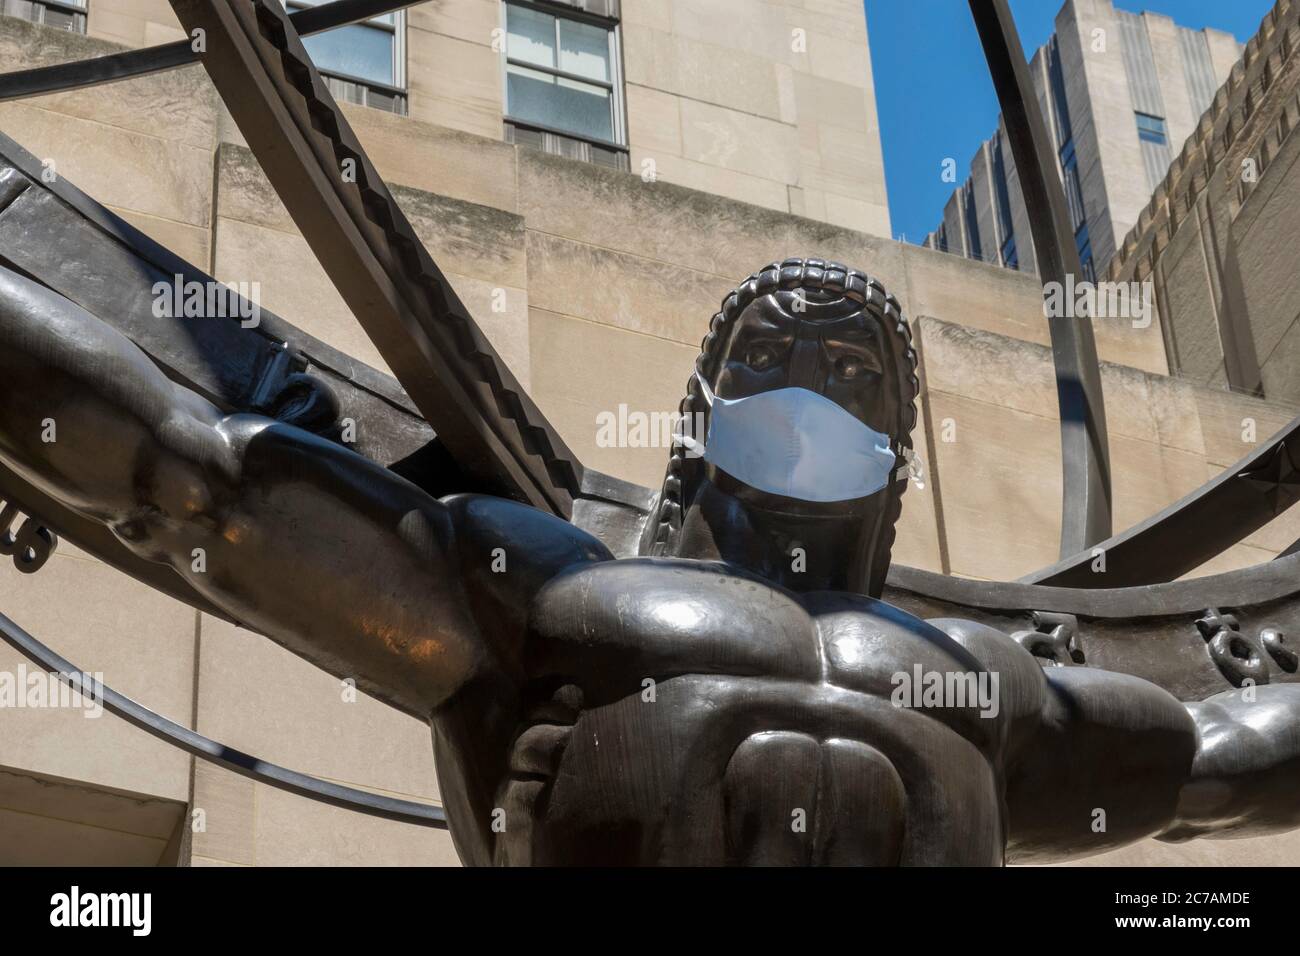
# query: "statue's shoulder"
509,538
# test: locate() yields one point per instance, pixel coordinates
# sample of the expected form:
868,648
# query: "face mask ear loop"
912,467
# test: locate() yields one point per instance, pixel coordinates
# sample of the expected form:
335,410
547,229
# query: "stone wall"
766,101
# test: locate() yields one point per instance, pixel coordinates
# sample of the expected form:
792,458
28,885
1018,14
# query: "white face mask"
796,443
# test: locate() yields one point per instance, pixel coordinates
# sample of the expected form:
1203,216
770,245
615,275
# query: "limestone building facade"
1217,237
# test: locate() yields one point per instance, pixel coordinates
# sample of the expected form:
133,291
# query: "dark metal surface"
154,724
111,274
80,74
483,417
1085,456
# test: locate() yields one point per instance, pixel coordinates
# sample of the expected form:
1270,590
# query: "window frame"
397,29
618,118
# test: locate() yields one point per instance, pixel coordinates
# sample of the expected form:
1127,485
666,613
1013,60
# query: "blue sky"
935,98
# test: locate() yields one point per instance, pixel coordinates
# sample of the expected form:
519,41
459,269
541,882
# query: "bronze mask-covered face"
827,341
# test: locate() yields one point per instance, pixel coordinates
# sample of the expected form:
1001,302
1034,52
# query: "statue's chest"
710,769
611,627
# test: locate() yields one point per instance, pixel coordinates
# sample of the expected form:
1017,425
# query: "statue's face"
828,345
832,347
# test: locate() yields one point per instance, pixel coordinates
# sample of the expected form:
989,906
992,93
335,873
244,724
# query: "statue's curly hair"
682,479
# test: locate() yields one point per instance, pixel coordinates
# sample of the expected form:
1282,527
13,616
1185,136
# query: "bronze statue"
732,695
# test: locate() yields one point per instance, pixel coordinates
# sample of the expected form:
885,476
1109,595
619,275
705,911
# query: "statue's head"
796,423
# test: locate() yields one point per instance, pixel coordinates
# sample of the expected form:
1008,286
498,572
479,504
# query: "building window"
1010,258
1003,207
564,90
1073,191
940,238
1060,106
1069,164
973,249
362,62
1154,140
1151,129
67,15
1084,245
1074,199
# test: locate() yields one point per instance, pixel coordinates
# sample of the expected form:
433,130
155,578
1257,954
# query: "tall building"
1120,92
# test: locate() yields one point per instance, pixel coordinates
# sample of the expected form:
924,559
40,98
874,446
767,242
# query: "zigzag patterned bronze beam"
78,74
316,164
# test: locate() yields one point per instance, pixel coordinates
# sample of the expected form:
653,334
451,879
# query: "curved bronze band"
168,731
1085,456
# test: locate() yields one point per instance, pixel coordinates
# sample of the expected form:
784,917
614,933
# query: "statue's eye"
759,357
849,366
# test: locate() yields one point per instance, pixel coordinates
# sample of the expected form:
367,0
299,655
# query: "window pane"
535,97
387,18
356,50
60,19
584,50
1152,126
530,36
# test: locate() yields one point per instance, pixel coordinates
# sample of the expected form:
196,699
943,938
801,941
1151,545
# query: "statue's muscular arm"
1096,759
322,550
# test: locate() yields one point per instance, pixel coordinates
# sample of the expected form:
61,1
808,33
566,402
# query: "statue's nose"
803,364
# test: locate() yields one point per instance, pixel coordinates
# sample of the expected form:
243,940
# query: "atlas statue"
727,695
